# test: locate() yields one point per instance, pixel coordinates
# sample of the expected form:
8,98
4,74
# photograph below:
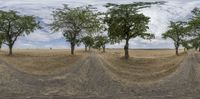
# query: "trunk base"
72,49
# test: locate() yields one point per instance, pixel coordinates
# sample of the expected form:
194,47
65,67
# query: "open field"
55,74
142,53
143,65
42,62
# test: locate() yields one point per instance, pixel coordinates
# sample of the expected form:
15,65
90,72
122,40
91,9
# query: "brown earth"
94,76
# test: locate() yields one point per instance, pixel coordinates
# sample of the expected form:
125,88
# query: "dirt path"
184,82
86,79
89,79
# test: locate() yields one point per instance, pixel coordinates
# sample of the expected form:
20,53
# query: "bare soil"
90,77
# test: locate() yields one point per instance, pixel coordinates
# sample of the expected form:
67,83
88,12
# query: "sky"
160,16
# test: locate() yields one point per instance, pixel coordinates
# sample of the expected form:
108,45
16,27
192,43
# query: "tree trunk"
177,51
176,44
126,47
104,48
89,48
199,49
72,48
196,48
176,48
10,50
85,48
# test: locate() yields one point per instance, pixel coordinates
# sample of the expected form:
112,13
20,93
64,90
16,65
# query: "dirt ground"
143,65
41,62
92,75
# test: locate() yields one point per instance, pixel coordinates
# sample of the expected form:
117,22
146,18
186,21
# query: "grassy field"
142,53
42,61
143,65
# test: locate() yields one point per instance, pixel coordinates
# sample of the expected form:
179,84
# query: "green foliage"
125,22
1,39
177,32
101,41
74,21
88,41
194,24
195,42
13,25
186,44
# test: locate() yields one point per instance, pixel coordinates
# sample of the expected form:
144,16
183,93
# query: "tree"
186,45
195,43
74,21
177,32
13,25
1,39
101,41
194,25
125,22
88,41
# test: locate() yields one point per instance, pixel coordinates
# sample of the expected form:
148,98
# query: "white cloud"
43,36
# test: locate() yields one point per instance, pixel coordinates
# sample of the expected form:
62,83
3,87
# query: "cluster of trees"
97,42
122,22
78,25
85,25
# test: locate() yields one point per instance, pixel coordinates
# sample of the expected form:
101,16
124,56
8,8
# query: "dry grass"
141,53
143,65
42,62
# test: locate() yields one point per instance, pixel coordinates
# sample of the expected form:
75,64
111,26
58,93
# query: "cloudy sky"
161,15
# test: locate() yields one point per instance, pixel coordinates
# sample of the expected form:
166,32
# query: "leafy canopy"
125,22
101,40
73,21
195,22
88,41
194,25
13,25
177,32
